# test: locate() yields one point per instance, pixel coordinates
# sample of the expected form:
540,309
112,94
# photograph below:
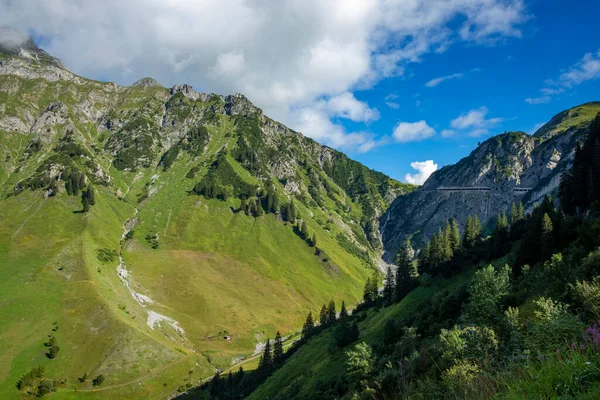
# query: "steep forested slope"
510,167
512,315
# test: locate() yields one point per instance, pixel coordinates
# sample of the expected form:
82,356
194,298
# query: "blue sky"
506,74
396,84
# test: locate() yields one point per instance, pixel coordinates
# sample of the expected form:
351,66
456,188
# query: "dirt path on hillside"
28,218
138,380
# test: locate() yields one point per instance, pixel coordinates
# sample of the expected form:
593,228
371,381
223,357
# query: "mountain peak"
17,44
576,117
146,82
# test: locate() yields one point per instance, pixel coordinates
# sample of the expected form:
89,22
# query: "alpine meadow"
168,242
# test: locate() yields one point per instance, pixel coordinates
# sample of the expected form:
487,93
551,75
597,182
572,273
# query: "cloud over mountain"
263,49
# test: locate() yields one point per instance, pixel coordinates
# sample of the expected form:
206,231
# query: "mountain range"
512,167
160,234
212,225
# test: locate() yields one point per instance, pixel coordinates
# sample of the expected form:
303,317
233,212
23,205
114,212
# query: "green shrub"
46,386
588,293
29,378
106,255
222,181
360,361
485,292
472,343
152,239
554,327
97,381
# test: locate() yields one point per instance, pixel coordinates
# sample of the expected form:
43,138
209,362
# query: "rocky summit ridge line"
510,167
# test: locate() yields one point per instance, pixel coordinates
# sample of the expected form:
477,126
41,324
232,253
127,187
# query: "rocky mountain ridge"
511,167
208,218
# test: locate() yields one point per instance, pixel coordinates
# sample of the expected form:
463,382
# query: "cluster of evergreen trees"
88,198
74,181
580,187
240,384
445,252
442,245
222,181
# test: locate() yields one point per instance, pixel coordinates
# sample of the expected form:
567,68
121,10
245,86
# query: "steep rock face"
512,167
14,43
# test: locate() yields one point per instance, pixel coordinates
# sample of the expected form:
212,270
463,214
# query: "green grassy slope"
317,362
575,117
216,271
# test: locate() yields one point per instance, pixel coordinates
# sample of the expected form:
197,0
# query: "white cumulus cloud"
424,169
412,131
587,69
285,56
345,105
474,122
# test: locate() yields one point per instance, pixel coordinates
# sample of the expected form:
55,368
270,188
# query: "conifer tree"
439,251
266,360
521,210
547,237
454,235
366,291
229,381
371,286
468,230
331,315
374,288
389,285
292,215
472,231
343,311
259,208
406,272
500,235
244,206
88,198
270,199
309,327
278,350
353,333
424,259
323,316
514,214
502,222
275,206
239,376
286,212
215,384
80,183
313,241
304,230
447,242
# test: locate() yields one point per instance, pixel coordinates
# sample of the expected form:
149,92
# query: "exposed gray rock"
500,164
55,114
187,91
238,104
146,82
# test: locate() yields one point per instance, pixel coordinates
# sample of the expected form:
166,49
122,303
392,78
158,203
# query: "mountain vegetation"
168,232
188,245
512,314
